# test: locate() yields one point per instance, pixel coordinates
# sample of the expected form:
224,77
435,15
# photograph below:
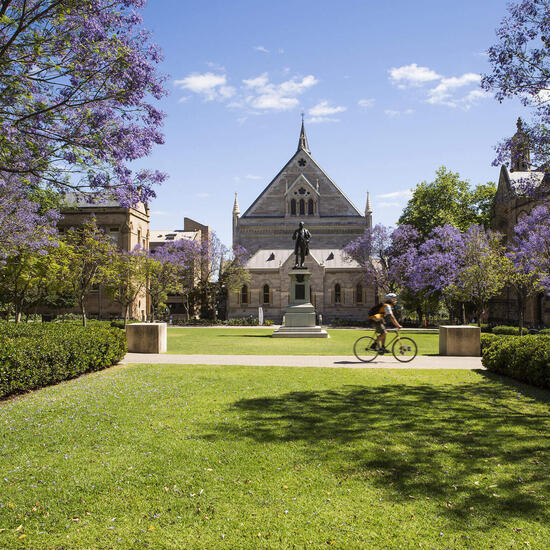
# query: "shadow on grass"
243,335
419,441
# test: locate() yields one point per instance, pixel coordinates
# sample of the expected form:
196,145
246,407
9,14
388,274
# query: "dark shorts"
379,326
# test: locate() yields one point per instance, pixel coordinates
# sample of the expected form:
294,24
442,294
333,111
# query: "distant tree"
127,278
484,269
89,257
520,68
171,269
448,200
232,276
529,252
373,252
26,277
76,83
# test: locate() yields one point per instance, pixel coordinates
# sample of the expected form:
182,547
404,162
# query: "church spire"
236,206
303,145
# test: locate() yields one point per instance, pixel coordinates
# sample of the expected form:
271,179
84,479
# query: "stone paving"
330,361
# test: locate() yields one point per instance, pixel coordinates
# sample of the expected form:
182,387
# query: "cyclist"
377,315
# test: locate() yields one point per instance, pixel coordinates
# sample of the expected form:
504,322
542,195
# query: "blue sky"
390,92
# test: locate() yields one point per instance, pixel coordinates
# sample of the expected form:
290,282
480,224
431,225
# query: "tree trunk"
83,311
419,312
17,315
521,307
126,308
463,313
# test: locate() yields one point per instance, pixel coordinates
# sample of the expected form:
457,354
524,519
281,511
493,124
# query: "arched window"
266,294
302,207
359,293
310,207
244,295
337,293
293,207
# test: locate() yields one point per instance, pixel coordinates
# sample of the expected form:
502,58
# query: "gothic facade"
520,188
301,191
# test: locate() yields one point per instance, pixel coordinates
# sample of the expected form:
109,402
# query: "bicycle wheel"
404,349
365,349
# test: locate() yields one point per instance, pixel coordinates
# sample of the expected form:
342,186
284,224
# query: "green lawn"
243,341
243,457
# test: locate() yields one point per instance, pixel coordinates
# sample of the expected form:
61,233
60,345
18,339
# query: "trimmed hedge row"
525,358
37,355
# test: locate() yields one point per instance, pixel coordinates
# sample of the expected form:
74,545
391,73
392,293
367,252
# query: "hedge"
525,358
512,331
37,355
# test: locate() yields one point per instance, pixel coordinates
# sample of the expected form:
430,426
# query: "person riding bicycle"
380,313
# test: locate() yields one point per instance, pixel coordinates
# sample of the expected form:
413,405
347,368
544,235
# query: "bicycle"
403,348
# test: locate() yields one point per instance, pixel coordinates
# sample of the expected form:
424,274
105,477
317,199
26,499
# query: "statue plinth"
300,313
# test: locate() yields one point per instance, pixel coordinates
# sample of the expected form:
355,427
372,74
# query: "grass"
243,341
243,457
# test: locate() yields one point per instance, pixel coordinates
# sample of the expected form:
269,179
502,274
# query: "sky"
390,92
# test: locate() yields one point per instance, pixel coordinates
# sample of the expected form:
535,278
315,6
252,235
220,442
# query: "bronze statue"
301,248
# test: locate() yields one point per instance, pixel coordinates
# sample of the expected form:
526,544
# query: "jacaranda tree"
520,68
77,83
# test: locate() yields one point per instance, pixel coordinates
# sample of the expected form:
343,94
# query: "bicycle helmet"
391,295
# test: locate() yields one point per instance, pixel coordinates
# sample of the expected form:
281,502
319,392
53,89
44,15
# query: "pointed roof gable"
304,153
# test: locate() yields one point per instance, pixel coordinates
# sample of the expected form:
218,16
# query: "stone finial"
368,208
236,206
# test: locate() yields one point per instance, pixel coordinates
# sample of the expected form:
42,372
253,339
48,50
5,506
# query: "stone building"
301,191
520,188
127,227
182,306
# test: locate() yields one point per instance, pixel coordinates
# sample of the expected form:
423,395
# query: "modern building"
301,191
182,306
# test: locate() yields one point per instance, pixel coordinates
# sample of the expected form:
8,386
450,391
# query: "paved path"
331,361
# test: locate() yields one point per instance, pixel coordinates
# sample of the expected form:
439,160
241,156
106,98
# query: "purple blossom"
79,83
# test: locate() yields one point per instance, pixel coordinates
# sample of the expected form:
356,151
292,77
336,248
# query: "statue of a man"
301,248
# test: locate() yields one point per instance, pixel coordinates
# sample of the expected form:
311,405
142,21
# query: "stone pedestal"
299,319
462,340
147,337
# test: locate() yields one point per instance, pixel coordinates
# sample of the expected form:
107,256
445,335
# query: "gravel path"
331,361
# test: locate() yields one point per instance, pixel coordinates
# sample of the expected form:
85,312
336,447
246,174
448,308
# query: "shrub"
544,331
487,340
512,331
37,355
525,358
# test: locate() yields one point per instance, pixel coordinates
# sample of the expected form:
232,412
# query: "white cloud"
442,94
184,98
394,114
203,195
261,49
319,119
412,75
403,194
366,103
388,205
252,177
210,85
276,97
323,109
256,95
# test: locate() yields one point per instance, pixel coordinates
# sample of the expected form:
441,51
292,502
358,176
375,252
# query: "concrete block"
461,340
147,337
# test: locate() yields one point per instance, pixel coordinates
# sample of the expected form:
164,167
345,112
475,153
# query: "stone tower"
520,154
